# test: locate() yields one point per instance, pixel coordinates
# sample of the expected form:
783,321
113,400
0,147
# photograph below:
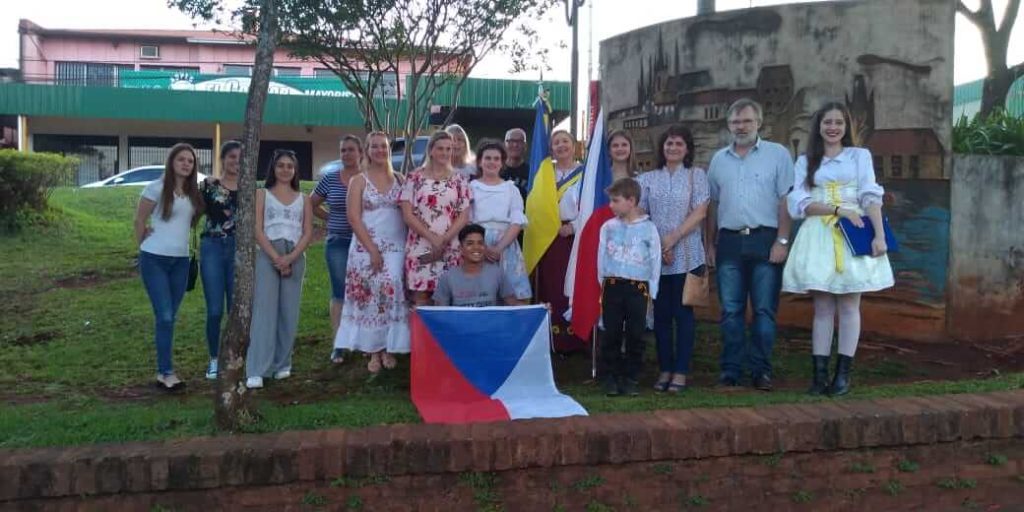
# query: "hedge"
26,180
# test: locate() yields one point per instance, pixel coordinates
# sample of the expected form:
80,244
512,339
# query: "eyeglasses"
515,141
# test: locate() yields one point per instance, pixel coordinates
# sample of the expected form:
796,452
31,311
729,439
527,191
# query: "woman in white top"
835,180
284,228
171,205
463,160
375,316
498,207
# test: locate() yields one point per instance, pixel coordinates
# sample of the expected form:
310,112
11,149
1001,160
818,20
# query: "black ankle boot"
841,381
819,386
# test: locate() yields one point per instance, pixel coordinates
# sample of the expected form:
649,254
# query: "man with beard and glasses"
748,242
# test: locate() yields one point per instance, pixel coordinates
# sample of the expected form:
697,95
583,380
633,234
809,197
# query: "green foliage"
996,459
802,497
26,181
907,466
862,467
354,503
893,487
485,496
772,460
957,483
597,506
312,498
663,468
998,134
697,501
589,482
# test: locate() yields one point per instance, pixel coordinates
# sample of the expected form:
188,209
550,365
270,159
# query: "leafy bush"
26,180
999,134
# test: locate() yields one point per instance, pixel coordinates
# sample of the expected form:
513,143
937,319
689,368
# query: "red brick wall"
936,453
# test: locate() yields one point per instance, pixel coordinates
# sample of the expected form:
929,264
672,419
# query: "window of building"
915,166
283,71
149,51
324,73
237,69
876,162
89,73
897,166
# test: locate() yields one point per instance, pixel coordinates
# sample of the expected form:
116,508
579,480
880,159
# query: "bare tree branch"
1009,17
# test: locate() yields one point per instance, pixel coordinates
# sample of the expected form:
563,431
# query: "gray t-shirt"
455,288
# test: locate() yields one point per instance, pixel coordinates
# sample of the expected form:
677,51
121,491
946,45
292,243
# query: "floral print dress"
437,203
374,316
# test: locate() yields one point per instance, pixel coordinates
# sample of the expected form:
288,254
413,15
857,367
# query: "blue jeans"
165,278
744,271
336,254
217,268
674,326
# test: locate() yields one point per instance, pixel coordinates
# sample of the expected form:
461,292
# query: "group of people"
448,232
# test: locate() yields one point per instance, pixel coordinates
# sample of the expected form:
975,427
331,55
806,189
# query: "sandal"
337,356
675,387
662,384
388,361
374,365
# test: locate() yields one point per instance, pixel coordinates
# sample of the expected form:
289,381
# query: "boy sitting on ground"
628,267
475,283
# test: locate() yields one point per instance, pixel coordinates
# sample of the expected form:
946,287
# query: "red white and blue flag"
485,364
581,284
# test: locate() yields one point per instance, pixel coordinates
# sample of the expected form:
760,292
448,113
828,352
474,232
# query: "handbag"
696,288
193,263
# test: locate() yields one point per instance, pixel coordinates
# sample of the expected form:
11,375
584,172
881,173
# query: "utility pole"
705,7
572,8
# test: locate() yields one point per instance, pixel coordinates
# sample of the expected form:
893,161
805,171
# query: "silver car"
137,177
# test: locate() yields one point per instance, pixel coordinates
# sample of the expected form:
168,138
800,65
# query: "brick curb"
303,456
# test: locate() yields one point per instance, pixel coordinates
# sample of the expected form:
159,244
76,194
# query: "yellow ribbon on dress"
832,221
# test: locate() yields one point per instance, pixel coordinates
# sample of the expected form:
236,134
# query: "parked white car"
137,177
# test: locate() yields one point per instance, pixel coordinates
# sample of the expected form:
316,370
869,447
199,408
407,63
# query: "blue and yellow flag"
542,198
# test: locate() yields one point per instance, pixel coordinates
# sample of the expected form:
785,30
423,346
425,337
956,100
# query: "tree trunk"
994,92
231,408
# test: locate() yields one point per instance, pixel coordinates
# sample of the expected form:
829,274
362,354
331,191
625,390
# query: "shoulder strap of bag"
689,209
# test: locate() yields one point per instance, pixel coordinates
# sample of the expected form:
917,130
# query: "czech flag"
484,364
581,284
542,196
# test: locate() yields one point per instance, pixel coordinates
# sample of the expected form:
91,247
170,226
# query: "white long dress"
820,259
375,315
496,208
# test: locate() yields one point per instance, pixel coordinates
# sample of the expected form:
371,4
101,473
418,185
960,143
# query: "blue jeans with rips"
744,272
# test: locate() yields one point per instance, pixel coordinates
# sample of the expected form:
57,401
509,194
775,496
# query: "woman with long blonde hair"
435,203
463,159
374,317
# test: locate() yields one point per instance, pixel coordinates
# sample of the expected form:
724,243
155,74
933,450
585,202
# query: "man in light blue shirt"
748,241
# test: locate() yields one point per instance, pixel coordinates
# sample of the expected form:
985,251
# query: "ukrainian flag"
542,198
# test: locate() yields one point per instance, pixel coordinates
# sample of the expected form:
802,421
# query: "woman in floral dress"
435,205
374,316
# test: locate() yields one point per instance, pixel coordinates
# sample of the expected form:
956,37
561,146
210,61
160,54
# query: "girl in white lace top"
284,228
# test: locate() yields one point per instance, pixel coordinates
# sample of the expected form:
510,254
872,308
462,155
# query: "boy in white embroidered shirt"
628,266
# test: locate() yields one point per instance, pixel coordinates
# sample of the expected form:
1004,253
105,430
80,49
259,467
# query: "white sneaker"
283,374
169,382
254,382
211,370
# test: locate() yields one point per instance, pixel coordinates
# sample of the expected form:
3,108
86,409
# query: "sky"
611,17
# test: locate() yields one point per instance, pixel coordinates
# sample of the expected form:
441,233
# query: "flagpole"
593,353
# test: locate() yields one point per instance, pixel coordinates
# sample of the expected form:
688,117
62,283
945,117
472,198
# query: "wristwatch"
782,241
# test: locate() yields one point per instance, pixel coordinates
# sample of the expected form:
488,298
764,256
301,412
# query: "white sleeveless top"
282,221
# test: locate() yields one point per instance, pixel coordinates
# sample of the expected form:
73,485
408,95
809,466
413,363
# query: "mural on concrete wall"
890,62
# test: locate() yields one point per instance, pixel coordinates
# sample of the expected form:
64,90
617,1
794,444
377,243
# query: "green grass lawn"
78,362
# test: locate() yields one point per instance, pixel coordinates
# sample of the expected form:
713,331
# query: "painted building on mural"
117,99
792,59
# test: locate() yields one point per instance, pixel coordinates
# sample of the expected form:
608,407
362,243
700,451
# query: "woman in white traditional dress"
498,207
835,180
375,316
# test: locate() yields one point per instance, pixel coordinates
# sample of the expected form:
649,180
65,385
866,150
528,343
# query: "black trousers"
624,312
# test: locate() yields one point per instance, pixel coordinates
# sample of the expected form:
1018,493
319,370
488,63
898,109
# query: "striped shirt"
334,193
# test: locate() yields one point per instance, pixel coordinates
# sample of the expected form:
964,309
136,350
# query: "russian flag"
484,364
581,284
